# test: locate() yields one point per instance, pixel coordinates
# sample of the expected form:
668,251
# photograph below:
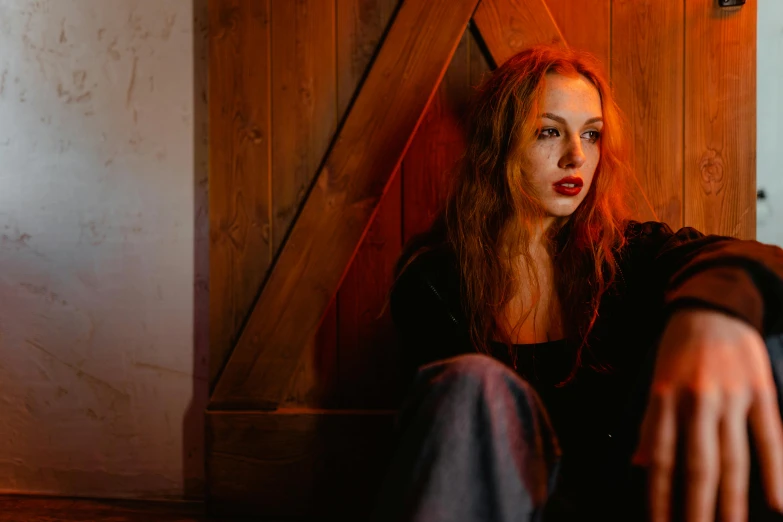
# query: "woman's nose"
573,156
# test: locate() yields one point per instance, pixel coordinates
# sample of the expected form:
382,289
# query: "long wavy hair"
491,212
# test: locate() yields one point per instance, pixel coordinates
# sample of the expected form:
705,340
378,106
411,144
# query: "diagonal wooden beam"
370,145
508,26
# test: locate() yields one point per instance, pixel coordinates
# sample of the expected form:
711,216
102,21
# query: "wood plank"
360,26
368,362
367,347
437,146
509,26
304,91
720,118
16,508
647,73
239,138
341,204
316,381
478,63
585,25
297,465
440,142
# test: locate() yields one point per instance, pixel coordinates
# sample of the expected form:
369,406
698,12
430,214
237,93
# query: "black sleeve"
741,278
428,324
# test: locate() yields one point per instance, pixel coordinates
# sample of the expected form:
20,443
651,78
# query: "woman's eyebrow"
560,119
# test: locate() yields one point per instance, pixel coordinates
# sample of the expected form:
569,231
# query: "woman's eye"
549,133
592,135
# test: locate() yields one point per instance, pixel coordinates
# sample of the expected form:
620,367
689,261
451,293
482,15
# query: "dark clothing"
476,444
596,416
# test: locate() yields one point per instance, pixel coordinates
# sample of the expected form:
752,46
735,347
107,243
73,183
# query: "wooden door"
324,162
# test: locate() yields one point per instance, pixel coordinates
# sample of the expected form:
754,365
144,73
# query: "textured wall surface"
769,86
102,246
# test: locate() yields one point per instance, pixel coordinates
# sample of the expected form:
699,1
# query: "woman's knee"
476,369
473,365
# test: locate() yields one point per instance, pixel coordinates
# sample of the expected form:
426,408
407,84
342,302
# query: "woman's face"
561,162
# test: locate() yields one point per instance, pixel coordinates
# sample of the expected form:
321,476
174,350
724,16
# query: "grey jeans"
476,444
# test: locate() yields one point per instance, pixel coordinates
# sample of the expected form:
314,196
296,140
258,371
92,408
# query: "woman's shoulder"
656,234
428,274
661,237
432,260
425,301
646,230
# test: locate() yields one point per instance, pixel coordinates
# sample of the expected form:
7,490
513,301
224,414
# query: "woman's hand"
712,379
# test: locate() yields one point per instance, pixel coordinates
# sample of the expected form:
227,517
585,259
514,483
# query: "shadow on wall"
193,422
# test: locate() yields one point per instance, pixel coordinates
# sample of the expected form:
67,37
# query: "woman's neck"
536,242
533,313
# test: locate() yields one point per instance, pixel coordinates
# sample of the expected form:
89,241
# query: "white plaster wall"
102,247
769,88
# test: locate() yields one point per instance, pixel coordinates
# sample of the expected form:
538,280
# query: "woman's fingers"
734,460
765,422
647,432
701,455
716,453
658,452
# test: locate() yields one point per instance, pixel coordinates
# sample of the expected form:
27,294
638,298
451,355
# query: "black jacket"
660,271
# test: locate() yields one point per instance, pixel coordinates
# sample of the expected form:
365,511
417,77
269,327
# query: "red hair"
491,212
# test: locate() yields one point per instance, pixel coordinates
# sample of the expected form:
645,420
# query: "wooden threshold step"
27,508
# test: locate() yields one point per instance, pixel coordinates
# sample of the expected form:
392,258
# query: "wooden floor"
36,509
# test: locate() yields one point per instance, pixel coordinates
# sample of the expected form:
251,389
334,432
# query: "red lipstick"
569,186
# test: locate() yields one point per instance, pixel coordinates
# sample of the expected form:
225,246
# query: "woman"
568,363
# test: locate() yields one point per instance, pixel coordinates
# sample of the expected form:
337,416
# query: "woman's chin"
561,211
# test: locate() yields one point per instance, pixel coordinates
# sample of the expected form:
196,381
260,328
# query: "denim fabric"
476,444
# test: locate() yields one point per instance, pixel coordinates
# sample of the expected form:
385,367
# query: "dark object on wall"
731,3
761,194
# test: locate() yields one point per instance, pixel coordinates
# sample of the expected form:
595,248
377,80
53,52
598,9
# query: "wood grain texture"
316,381
720,118
360,26
304,119
437,146
435,151
585,25
304,91
239,138
297,465
647,73
367,348
509,26
341,204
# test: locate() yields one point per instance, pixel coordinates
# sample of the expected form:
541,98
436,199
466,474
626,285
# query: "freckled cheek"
542,152
593,165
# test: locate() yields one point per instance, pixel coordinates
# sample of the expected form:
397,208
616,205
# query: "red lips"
569,186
